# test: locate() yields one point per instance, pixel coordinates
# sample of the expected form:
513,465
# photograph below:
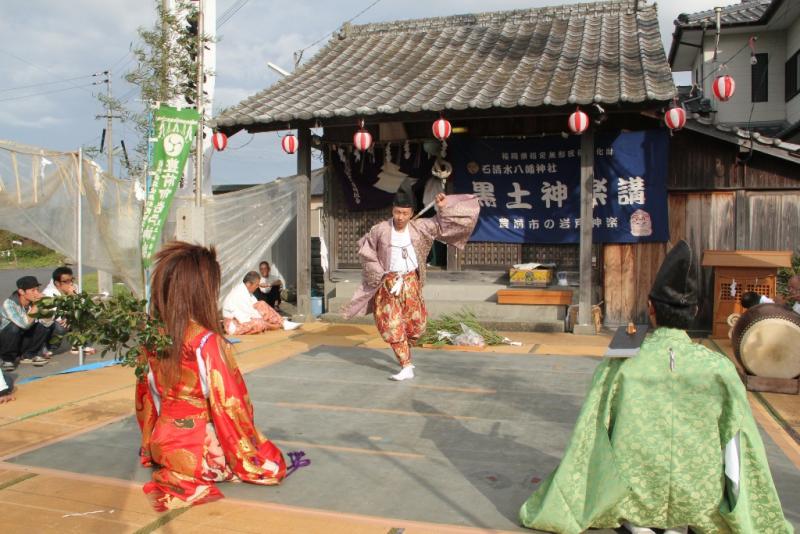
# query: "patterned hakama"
400,319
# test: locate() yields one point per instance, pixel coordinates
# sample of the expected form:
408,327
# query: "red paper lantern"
675,118
362,140
220,141
724,87
289,144
442,129
578,122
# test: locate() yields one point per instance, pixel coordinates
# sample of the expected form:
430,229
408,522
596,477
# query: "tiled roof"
575,54
773,146
749,12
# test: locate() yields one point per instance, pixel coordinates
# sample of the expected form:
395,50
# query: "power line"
351,19
46,83
38,67
128,95
117,62
48,92
230,12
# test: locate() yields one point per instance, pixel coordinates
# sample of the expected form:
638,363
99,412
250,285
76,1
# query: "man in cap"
792,297
393,257
665,439
22,337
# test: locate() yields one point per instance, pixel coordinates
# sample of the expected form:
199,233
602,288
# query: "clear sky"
45,42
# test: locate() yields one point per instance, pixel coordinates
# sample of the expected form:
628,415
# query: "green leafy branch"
119,325
787,272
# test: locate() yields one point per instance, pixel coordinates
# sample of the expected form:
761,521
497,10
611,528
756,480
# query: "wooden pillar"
454,261
304,225
742,229
585,324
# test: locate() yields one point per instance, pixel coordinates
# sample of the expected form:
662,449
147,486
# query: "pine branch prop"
452,323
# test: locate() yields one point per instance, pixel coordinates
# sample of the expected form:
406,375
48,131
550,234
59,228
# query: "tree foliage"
119,325
165,71
787,272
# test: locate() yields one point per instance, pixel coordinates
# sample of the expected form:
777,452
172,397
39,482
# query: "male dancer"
393,257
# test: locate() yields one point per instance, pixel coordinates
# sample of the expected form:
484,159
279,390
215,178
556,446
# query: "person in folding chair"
665,439
393,257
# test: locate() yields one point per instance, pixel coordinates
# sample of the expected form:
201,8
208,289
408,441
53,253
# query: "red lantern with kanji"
220,141
724,87
362,140
675,118
578,122
289,144
442,129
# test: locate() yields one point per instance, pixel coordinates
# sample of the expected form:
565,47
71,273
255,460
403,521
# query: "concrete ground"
456,450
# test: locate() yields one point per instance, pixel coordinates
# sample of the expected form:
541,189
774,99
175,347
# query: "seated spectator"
751,298
62,283
269,287
243,314
22,337
665,439
792,297
6,388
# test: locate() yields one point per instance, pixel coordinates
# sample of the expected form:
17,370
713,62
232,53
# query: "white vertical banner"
210,67
209,31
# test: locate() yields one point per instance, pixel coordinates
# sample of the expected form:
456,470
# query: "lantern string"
725,64
252,136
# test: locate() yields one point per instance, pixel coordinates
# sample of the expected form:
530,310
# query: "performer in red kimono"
393,255
192,404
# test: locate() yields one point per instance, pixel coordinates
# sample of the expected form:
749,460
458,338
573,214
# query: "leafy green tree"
165,71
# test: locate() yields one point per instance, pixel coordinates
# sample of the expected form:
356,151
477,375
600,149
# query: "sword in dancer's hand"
428,206
424,210
442,170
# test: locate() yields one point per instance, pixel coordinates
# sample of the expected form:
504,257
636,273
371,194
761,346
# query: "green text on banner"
175,131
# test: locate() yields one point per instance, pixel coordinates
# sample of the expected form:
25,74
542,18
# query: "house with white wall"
757,42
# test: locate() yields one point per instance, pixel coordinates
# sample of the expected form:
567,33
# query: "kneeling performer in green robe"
665,439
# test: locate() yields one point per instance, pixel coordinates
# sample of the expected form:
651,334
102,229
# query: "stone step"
496,324
488,311
442,290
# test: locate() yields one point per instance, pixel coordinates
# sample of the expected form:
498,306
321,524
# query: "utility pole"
198,159
109,124
105,283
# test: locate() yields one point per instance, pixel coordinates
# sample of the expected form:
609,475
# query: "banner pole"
79,237
148,183
198,168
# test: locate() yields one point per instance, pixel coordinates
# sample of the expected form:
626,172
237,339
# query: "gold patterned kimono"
200,430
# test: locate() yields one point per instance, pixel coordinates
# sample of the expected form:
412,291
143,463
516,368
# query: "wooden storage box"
534,296
538,277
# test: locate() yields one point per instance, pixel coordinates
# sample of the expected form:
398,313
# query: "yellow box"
539,277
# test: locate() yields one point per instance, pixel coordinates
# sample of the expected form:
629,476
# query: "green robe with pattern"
649,444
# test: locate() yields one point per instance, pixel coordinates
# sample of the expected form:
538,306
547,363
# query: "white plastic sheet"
39,200
245,226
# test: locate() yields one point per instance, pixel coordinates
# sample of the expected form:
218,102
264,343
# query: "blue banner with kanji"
529,189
